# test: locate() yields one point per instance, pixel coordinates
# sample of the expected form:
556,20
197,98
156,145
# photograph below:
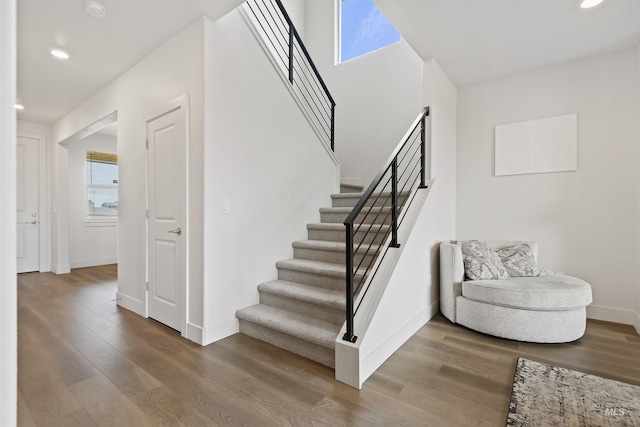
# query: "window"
102,185
363,29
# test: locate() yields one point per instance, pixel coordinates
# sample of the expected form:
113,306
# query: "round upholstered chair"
543,308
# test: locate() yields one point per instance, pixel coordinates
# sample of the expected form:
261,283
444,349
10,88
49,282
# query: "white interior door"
27,213
167,140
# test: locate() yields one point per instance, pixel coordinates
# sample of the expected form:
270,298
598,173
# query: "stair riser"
370,218
332,257
340,236
325,356
349,202
325,313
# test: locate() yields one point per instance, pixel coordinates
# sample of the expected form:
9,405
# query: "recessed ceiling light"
95,9
586,4
59,53
19,107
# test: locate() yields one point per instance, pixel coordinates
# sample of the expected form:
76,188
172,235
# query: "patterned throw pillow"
481,262
519,261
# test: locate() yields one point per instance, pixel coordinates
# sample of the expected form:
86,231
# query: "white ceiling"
473,40
479,40
100,49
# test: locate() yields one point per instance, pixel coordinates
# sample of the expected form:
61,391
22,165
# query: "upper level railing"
283,40
372,226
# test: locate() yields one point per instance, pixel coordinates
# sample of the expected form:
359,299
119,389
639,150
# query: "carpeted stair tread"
346,188
327,245
333,226
347,209
345,195
336,232
352,194
306,293
375,214
314,267
303,327
359,195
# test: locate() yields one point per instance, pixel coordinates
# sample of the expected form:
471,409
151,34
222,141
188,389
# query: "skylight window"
363,29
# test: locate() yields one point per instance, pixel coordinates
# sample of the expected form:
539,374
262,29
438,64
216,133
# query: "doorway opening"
92,190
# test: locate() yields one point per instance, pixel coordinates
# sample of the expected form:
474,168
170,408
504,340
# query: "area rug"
546,395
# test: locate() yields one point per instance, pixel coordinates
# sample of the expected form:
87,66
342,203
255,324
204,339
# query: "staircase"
304,309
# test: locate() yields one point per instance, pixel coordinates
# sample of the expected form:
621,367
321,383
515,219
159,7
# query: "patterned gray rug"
545,395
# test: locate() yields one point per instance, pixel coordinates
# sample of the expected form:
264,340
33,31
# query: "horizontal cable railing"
372,226
286,46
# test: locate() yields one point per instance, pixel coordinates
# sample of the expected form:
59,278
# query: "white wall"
586,221
261,155
377,95
174,69
93,243
296,9
8,300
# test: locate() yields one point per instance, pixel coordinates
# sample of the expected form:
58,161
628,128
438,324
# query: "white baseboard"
220,330
61,269
195,333
434,309
636,322
610,314
82,263
211,334
130,303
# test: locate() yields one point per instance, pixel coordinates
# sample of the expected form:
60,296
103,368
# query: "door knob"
176,231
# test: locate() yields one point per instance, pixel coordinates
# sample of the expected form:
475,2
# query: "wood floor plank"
25,419
69,365
106,405
290,388
84,361
213,401
77,418
130,379
165,408
44,392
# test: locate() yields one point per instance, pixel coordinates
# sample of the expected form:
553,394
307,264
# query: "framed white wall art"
537,146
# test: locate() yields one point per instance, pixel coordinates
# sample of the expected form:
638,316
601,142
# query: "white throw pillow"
481,262
519,261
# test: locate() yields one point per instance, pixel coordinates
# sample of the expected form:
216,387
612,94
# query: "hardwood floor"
83,361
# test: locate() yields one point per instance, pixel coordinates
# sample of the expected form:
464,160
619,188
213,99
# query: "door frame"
180,103
44,204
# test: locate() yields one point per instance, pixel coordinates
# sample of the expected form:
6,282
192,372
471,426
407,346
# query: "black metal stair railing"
287,47
372,226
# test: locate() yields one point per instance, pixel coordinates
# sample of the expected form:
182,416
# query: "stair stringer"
395,307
